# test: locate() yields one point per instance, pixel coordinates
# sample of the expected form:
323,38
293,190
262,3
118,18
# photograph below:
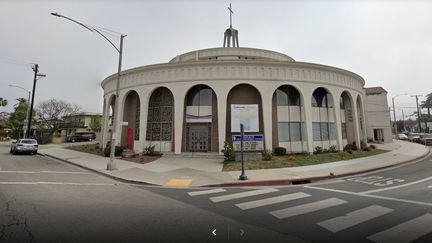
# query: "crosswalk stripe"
197,193
307,208
272,200
242,194
353,218
405,232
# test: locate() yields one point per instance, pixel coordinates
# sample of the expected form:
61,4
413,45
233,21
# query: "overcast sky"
388,43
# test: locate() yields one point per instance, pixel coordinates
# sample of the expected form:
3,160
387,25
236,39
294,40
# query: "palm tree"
427,104
3,102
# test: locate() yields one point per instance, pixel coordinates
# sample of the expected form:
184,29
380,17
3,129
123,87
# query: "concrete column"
119,113
308,119
178,119
144,98
267,119
105,118
222,116
338,124
364,135
356,123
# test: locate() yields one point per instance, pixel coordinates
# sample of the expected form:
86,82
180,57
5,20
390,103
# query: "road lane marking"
353,218
197,193
53,183
272,200
242,195
307,208
371,196
405,232
398,186
45,171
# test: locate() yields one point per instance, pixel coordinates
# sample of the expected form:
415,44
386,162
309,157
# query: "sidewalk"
208,172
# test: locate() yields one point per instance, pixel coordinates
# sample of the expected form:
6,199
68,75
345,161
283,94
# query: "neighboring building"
377,113
78,123
195,102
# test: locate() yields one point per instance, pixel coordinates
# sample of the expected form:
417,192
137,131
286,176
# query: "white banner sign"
245,114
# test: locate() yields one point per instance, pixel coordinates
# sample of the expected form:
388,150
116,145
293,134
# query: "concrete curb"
306,180
101,173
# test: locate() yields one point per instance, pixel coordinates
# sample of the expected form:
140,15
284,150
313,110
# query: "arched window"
290,122
199,95
323,129
160,115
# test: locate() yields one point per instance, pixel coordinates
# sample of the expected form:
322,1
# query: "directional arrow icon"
214,232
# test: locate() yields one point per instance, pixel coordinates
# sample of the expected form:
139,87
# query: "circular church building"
197,101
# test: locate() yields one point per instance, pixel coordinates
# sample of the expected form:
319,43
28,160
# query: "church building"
197,100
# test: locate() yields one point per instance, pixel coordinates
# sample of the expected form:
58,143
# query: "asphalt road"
44,200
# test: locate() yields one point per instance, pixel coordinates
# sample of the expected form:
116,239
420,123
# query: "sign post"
242,177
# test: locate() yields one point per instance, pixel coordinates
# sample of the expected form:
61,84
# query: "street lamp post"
394,112
111,164
28,107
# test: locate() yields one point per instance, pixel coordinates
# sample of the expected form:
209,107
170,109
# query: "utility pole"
403,120
36,74
418,111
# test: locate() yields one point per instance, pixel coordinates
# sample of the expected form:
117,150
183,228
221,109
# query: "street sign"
123,123
254,142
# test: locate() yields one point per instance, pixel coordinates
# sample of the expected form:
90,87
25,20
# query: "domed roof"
231,53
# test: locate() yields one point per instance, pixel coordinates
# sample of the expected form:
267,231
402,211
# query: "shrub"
267,155
280,151
372,146
349,151
318,150
117,152
150,150
367,149
228,152
332,149
350,146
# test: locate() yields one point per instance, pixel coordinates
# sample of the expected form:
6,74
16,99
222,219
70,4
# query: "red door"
129,139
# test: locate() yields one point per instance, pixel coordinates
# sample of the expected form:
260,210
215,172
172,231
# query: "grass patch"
94,149
300,160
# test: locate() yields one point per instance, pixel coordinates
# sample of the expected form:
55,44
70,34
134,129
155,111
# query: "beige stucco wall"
378,116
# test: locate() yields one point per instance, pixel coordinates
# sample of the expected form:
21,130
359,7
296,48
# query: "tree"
3,102
18,116
427,104
51,112
95,123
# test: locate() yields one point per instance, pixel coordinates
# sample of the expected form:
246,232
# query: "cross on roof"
231,12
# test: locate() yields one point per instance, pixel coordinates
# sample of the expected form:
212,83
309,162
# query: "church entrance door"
198,138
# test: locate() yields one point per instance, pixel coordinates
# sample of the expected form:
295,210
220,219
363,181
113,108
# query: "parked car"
414,137
81,136
426,139
24,145
402,136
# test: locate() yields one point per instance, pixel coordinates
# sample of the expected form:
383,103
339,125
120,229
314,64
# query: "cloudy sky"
388,43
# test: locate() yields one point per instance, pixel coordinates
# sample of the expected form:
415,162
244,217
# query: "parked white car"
402,136
24,145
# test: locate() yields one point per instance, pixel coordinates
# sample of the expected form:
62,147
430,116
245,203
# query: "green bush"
350,146
280,151
267,155
332,149
318,150
117,152
228,152
150,150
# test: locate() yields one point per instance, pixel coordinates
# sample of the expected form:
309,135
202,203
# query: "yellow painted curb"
178,182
